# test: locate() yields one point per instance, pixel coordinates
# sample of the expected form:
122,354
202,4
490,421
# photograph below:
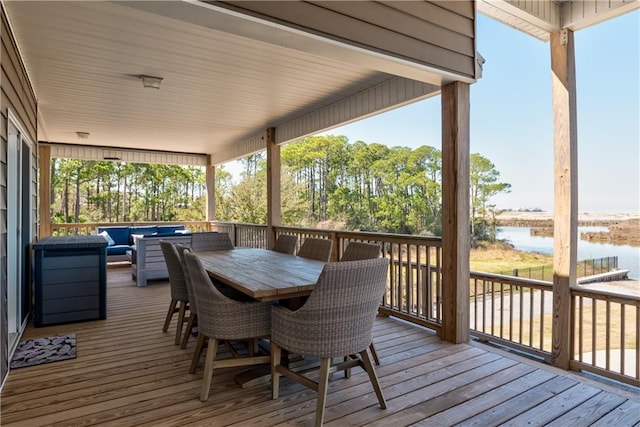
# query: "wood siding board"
461,24
389,18
12,99
462,8
311,18
3,127
18,80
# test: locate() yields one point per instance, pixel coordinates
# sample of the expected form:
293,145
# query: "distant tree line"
326,181
105,191
358,186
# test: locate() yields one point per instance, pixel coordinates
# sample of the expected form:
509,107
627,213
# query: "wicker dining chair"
193,309
210,241
356,251
223,319
179,293
336,321
319,249
286,243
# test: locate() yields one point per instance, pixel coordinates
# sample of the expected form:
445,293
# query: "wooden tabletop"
262,274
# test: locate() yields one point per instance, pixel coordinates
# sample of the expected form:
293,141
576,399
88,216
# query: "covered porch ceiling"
228,74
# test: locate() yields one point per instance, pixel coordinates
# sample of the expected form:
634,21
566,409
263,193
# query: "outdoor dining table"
263,274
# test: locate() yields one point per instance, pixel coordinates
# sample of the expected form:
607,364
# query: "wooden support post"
565,218
274,216
44,160
455,212
211,191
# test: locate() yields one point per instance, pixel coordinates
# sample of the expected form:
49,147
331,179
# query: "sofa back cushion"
142,230
169,230
119,234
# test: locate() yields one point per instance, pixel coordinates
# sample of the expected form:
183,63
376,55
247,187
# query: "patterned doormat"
44,350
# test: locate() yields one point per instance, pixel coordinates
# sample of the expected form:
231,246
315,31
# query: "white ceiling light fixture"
83,135
151,81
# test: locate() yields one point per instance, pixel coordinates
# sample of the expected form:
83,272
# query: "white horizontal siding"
583,13
392,93
539,18
250,145
536,18
86,152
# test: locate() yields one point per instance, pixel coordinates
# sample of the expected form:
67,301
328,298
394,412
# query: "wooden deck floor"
129,373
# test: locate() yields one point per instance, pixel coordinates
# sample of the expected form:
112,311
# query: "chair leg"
368,366
197,352
347,372
183,308
187,333
323,384
276,353
374,353
172,309
208,369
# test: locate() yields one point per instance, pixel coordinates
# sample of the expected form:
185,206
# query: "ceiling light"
83,135
151,81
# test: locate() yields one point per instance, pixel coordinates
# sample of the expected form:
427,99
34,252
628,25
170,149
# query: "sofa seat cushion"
119,234
118,249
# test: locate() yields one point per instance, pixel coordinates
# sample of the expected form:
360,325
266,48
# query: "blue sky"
512,122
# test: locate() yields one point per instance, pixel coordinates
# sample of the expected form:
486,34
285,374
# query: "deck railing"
515,312
606,333
512,311
518,313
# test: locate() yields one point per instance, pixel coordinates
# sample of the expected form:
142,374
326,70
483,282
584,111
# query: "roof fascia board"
233,22
385,96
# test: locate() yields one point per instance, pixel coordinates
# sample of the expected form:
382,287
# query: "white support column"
274,215
565,218
455,212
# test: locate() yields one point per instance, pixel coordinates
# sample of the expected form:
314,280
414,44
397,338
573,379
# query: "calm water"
628,256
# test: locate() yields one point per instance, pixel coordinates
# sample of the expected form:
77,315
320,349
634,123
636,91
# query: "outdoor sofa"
120,238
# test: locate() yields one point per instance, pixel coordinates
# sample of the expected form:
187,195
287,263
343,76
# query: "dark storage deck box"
70,279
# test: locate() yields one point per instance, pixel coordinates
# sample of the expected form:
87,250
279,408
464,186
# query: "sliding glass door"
19,229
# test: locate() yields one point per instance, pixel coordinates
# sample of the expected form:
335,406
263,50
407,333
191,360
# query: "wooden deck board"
129,373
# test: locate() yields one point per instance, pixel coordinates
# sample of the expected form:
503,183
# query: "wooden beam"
211,190
44,165
455,212
274,215
565,218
